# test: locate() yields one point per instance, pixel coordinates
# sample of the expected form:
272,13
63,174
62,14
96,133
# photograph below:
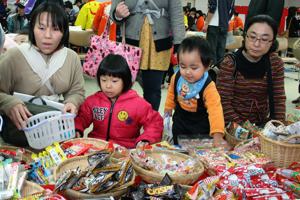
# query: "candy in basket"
45,128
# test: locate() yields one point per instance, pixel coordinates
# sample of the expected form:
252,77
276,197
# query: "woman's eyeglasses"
253,39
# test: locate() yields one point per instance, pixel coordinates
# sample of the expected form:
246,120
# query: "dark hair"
77,1
200,13
116,66
263,19
193,9
235,13
68,4
195,43
58,18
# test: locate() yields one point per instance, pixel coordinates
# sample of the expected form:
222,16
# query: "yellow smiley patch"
122,115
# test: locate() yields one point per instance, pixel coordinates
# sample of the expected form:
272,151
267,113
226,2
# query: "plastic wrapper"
294,128
238,131
283,196
203,189
250,145
101,176
289,174
99,159
295,187
164,190
76,149
168,165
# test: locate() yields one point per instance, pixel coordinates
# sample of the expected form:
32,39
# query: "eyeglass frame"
254,39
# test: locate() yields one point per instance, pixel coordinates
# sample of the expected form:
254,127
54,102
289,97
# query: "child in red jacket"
117,112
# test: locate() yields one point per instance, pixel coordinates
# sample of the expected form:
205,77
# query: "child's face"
191,67
111,86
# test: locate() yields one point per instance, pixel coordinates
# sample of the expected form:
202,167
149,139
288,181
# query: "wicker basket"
281,153
82,162
232,140
26,156
30,188
153,177
97,143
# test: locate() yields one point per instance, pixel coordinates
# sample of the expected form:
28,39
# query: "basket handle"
291,137
40,98
274,122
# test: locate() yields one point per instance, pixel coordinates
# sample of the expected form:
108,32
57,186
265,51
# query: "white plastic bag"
167,134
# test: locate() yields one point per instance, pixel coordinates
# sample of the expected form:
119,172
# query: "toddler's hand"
141,145
220,142
168,112
77,135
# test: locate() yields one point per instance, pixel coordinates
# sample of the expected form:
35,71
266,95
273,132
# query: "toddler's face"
191,67
111,86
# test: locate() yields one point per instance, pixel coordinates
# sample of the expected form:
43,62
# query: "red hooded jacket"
122,121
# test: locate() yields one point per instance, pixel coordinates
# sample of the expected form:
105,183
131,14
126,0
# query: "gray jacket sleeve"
114,4
176,18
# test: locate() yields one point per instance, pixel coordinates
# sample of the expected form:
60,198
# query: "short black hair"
193,9
116,66
77,1
58,17
267,20
68,4
199,44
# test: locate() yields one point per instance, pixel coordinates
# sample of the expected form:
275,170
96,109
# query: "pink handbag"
101,46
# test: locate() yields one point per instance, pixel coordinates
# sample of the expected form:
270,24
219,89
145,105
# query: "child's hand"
168,112
70,107
220,142
77,134
141,145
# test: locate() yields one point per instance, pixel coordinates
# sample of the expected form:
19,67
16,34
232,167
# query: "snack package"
237,131
254,130
77,149
289,174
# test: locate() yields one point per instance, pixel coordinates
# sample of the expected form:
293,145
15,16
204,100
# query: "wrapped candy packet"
289,174
237,131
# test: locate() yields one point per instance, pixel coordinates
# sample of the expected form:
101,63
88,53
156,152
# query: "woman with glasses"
251,83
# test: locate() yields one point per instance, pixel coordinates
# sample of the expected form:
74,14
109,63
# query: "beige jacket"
17,76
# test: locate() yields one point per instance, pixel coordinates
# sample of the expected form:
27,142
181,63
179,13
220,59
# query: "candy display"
100,176
94,169
167,164
278,131
163,190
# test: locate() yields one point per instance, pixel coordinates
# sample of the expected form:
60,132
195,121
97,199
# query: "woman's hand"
122,10
19,114
70,108
220,142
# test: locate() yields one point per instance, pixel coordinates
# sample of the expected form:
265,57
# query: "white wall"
202,4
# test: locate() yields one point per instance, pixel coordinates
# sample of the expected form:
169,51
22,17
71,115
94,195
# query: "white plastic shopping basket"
45,128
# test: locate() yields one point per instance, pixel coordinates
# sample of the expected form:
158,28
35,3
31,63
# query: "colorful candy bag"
238,131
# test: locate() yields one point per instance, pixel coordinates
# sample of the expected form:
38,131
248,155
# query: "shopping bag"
101,46
167,133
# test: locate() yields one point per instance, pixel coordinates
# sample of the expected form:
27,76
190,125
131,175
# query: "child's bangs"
110,71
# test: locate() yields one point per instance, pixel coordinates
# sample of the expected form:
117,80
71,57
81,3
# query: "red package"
295,166
77,149
283,196
252,192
